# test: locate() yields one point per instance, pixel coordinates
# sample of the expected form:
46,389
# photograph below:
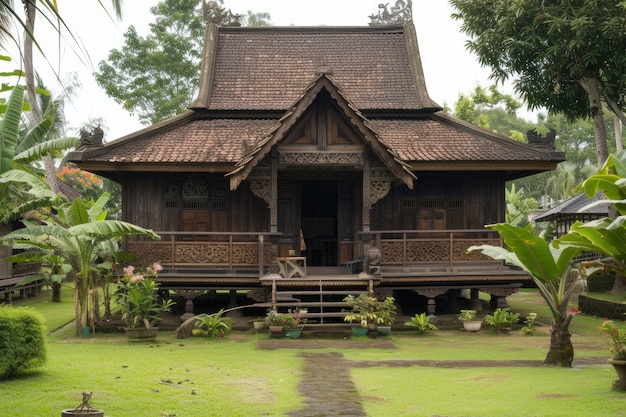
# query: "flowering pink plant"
616,339
138,298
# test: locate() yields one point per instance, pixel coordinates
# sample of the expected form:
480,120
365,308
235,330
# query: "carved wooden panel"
202,253
320,158
150,252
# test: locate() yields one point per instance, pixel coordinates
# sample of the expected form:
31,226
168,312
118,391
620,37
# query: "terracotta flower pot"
620,368
276,331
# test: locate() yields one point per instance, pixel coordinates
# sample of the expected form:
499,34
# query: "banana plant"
77,231
548,265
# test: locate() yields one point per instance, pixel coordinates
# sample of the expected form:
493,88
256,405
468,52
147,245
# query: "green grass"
231,377
487,392
56,314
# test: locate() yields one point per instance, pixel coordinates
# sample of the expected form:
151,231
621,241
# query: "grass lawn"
232,377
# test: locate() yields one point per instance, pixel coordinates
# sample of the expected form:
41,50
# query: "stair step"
317,292
330,304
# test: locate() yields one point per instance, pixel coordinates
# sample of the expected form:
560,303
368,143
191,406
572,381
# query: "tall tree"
140,76
492,110
565,56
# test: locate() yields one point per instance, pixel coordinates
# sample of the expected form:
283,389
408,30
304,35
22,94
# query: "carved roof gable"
292,128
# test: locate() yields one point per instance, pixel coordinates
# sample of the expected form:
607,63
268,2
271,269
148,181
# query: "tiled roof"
573,206
266,68
439,138
198,141
424,139
254,78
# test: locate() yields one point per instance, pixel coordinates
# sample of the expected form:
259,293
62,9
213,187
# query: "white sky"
449,68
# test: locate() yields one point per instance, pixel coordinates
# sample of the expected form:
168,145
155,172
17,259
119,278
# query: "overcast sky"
449,68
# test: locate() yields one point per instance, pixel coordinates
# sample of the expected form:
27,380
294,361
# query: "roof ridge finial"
400,13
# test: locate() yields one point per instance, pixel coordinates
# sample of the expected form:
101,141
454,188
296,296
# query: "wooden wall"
442,201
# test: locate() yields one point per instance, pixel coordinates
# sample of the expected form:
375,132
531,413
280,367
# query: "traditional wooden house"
306,149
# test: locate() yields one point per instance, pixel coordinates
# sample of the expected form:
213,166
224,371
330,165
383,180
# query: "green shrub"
212,325
502,319
421,323
22,340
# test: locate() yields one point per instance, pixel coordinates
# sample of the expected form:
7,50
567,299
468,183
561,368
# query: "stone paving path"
328,387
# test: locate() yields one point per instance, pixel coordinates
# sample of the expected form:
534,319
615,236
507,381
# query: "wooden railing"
413,247
210,250
252,251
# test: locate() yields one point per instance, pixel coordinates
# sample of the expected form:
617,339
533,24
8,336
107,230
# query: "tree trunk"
617,125
35,112
561,351
56,292
591,86
619,286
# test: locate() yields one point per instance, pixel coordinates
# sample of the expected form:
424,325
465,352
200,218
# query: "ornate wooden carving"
378,190
195,187
380,180
261,188
202,253
400,12
258,295
321,158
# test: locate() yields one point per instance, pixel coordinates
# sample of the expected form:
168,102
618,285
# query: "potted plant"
139,302
387,312
616,342
368,312
276,322
295,323
469,320
258,323
502,319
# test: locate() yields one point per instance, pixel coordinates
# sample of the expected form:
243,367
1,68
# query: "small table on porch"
292,266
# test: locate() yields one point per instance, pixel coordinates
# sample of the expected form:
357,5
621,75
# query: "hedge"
22,340
601,308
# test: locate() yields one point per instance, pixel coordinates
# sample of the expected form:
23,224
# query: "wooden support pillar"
431,293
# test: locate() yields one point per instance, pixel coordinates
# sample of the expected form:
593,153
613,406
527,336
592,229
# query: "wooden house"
306,149
577,208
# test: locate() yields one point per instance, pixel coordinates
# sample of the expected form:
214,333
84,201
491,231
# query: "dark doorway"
318,216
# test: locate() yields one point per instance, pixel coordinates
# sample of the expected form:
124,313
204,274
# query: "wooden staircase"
321,296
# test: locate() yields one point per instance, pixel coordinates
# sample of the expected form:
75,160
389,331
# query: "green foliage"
518,206
615,339
530,324
80,233
421,323
546,264
213,325
22,341
550,47
368,310
293,319
140,76
492,110
467,315
565,57
502,318
137,296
